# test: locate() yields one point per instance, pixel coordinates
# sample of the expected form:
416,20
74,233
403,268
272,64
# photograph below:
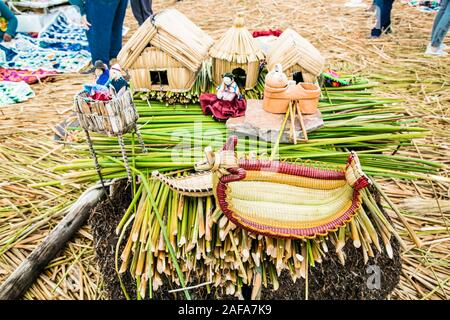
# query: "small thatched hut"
296,55
237,52
165,53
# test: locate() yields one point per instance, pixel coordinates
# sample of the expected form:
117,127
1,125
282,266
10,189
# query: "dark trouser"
142,9
105,34
384,8
441,24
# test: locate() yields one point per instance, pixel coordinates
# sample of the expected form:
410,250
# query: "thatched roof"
173,33
291,49
237,45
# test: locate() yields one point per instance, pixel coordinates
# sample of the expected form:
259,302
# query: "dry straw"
296,54
237,49
167,42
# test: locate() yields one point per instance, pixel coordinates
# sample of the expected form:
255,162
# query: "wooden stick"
28,271
292,115
302,123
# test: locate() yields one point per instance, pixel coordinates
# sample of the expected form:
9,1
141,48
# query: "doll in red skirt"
226,103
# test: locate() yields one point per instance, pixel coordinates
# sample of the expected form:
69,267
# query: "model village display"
266,198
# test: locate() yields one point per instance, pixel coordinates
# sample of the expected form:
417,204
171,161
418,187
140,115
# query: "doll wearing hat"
99,90
228,89
116,80
101,73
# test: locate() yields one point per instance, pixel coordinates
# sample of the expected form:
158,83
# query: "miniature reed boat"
274,198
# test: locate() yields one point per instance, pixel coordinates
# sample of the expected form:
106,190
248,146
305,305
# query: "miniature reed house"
237,52
301,61
165,53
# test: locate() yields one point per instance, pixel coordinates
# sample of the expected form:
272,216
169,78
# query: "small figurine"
228,89
117,81
226,103
101,73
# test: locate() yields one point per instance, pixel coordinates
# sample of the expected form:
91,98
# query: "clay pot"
276,99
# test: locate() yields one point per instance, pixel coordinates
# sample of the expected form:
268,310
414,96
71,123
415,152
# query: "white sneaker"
443,46
431,51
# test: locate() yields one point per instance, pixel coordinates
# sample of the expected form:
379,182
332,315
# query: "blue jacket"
6,13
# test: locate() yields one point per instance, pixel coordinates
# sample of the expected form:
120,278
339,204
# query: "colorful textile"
30,56
333,79
6,54
221,109
265,33
27,76
3,24
97,92
424,6
14,92
61,31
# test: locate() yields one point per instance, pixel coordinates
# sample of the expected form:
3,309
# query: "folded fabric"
425,6
63,46
221,109
6,54
14,92
61,30
97,92
27,76
30,56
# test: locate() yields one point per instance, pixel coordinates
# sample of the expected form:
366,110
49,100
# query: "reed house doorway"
240,76
159,78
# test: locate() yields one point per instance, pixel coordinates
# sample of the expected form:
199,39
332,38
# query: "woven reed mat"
266,125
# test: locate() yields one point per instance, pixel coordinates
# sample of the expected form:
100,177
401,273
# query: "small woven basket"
113,117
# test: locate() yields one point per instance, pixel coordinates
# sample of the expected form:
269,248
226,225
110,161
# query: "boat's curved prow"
193,185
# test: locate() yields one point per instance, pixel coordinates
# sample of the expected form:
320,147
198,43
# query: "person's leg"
136,8
386,15
99,33
148,11
441,28
376,31
117,26
444,4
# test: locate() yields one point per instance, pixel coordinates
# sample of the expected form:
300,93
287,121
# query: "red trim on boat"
292,169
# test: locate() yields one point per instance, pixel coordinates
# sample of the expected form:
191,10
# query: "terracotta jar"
279,91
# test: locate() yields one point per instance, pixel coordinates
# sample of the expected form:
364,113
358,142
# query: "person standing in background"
104,21
383,13
439,31
8,23
142,9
